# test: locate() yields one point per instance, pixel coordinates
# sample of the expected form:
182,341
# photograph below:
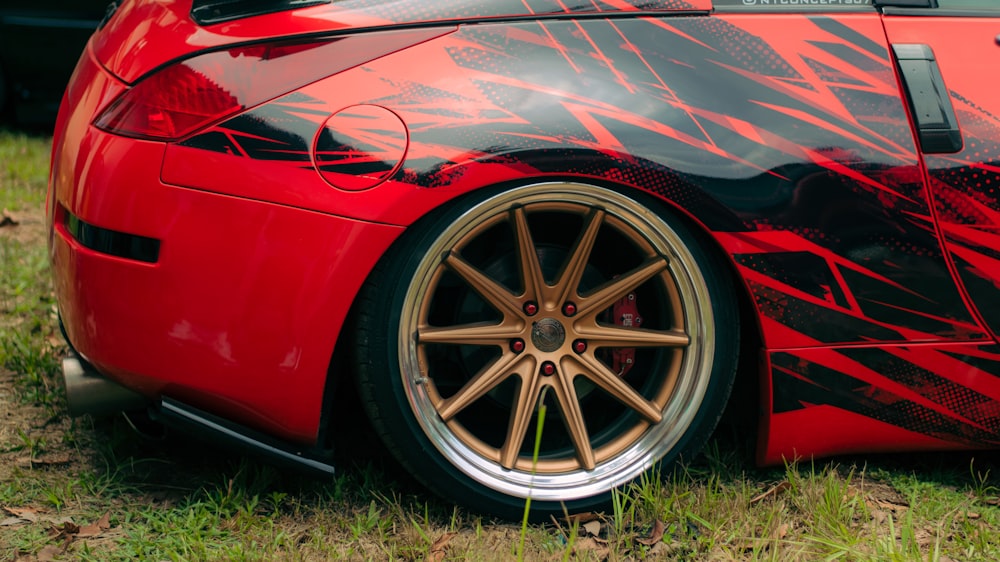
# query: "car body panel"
892,398
783,137
903,397
770,157
965,185
148,33
243,345
225,260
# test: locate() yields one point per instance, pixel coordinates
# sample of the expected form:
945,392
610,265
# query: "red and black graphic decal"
949,394
967,193
786,136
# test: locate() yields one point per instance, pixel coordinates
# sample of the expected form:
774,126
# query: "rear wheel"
576,297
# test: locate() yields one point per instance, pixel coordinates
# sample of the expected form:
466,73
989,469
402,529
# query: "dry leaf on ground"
49,552
50,461
774,491
64,531
29,514
440,547
97,528
591,546
6,219
894,507
655,536
582,518
781,532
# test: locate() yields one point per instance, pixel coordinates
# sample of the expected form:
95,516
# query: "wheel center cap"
548,334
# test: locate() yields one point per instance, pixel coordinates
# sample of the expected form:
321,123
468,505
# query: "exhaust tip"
88,392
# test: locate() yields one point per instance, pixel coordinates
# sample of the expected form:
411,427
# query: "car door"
824,392
957,80
859,259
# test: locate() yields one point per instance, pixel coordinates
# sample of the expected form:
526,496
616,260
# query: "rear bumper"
239,312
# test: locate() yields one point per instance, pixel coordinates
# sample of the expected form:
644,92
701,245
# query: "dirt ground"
31,439
35,441
26,226
23,423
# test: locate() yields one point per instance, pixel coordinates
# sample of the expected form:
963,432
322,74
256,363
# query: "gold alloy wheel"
511,307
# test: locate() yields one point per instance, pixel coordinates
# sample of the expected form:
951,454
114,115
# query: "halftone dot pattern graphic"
966,193
894,388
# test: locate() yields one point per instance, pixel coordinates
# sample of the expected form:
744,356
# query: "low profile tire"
600,305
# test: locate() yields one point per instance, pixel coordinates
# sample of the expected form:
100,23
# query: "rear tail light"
168,105
187,96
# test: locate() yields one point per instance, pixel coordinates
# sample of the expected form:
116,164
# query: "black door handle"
929,99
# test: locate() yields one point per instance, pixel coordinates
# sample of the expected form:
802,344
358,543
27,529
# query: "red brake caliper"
625,313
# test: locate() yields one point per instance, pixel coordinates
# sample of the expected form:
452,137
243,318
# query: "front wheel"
597,305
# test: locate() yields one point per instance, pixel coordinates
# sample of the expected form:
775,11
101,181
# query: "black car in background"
40,43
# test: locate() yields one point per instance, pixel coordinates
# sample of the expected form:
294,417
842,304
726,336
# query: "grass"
24,169
166,499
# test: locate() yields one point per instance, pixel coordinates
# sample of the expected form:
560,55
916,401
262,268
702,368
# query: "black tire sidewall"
380,377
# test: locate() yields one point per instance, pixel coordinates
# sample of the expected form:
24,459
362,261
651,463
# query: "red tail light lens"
169,105
190,95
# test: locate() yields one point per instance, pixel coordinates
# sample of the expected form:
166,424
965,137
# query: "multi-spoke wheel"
573,297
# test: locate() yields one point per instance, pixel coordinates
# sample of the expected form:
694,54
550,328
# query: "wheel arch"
750,374
340,396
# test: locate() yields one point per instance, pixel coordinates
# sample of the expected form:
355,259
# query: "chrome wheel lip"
656,441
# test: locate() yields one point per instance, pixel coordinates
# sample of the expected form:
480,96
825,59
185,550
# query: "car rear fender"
144,35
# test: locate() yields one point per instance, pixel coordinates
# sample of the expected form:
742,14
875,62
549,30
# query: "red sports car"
541,234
